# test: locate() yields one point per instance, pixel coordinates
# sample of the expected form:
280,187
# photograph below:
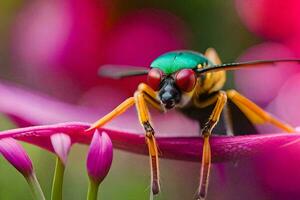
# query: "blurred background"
56,47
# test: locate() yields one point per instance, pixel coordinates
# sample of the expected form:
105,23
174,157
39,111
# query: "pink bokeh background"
58,46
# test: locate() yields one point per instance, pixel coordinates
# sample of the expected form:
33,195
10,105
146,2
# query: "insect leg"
206,154
150,96
254,113
143,114
116,112
144,94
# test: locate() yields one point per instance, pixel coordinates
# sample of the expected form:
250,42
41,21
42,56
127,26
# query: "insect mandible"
188,80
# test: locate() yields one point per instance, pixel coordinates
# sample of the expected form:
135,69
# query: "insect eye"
154,78
186,79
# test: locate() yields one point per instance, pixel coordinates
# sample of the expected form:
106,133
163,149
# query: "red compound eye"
154,78
186,79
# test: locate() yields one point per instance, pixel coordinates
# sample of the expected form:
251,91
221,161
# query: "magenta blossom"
288,96
72,50
252,82
294,44
271,19
81,36
99,156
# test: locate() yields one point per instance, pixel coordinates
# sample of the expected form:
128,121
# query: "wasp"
190,82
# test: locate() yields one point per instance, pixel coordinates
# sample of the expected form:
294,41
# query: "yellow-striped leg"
150,139
147,94
254,113
206,154
150,96
142,95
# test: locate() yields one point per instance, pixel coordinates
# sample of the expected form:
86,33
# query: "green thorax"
176,60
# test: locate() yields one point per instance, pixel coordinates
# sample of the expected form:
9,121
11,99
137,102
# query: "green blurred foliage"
8,11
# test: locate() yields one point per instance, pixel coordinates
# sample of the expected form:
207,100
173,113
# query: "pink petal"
262,17
73,50
294,44
286,104
282,174
31,108
252,82
182,148
16,155
61,145
127,44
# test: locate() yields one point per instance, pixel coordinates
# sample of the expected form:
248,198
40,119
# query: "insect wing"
121,71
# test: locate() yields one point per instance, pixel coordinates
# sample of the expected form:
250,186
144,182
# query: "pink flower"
286,101
294,44
262,84
99,156
281,180
63,43
57,43
139,37
271,19
16,155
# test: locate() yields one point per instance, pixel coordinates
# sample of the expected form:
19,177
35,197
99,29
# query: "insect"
188,81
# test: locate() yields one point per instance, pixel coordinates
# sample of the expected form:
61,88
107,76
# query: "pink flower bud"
16,155
99,156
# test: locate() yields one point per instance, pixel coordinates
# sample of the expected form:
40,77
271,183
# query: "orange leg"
116,112
143,95
206,153
150,139
254,113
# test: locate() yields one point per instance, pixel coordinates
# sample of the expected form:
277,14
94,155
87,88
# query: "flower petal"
31,108
99,156
16,155
61,144
183,148
259,16
252,82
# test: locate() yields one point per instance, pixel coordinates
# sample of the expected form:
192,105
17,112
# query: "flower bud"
61,144
14,153
99,157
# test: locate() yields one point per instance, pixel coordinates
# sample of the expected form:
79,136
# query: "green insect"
189,82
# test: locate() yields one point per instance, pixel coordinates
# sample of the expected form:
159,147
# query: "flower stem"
35,187
93,190
57,184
